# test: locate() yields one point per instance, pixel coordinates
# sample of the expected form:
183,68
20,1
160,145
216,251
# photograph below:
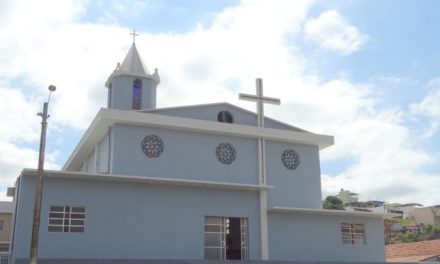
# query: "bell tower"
131,86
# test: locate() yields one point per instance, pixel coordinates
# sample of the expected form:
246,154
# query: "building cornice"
291,210
106,118
145,180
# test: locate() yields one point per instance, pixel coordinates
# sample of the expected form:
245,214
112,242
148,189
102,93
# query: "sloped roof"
204,107
133,63
416,251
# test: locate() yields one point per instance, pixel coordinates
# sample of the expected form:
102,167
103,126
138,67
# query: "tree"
332,202
429,232
407,237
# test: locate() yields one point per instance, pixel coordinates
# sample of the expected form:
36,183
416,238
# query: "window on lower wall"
353,234
68,219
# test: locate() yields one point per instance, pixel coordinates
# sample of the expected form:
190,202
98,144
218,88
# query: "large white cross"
260,100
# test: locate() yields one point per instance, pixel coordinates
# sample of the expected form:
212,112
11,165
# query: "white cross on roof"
134,34
259,99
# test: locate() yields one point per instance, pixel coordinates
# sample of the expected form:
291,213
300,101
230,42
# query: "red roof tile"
416,251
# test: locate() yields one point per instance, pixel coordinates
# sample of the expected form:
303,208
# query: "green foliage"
403,221
332,202
407,237
427,232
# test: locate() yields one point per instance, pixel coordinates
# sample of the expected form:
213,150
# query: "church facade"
201,182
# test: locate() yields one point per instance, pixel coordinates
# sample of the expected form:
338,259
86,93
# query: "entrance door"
226,238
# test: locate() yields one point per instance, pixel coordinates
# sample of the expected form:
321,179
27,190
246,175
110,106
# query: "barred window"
353,234
67,219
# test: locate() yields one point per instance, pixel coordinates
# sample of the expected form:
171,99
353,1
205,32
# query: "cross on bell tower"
134,35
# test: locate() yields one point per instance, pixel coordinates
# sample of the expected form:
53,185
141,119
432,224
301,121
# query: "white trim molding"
291,210
145,180
108,117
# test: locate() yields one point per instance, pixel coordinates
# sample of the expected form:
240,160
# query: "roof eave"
291,210
108,117
145,180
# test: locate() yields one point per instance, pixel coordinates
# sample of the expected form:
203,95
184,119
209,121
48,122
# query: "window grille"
215,237
244,238
353,234
68,219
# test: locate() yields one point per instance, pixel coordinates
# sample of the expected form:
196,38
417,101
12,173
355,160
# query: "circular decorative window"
290,159
225,117
152,146
225,153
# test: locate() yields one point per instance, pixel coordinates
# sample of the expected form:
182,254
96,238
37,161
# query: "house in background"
6,218
429,215
210,181
347,197
6,211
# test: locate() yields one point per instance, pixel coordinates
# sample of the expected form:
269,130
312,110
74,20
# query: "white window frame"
353,234
66,219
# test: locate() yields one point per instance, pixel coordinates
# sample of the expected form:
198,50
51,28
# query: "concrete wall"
98,159
89,163
426,215
143,221
187,155
318,238
122,93
299,188
210,112
131,221
102,160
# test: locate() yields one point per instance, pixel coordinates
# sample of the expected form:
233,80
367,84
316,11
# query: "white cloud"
18,115
331,31
253,39
429,107
387,166
134,7
21,128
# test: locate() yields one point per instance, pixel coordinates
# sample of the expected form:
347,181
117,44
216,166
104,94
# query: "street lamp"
39,181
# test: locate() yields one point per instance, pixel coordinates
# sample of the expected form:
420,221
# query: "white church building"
198,182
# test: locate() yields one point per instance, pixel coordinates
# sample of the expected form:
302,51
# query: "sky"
366,72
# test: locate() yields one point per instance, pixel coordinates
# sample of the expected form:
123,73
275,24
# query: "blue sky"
363,71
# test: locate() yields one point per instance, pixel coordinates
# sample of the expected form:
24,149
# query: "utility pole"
39,181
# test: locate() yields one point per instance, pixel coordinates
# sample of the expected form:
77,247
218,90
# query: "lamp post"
39,181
